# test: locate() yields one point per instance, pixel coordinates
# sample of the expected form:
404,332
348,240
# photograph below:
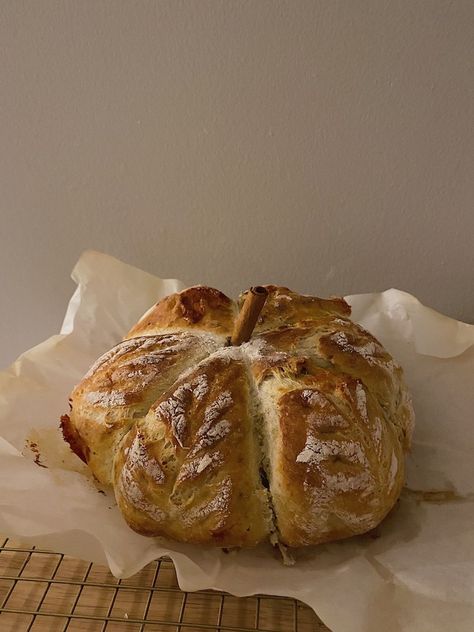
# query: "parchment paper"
415,574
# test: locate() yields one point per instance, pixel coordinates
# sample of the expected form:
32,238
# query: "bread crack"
264,469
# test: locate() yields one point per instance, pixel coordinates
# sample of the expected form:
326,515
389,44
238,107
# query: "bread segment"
336,468
120,388
199,308
195,457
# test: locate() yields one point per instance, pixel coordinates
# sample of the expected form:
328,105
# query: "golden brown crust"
181,424
359,407
355,351
199,307
338,470
286,308
121,386
194,457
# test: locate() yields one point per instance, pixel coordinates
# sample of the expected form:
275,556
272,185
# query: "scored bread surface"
299,433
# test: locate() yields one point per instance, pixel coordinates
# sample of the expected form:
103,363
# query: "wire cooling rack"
43,591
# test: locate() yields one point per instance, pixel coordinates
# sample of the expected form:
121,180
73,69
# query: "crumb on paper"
50,450
231,550
33,446
288,559
125,616
286,556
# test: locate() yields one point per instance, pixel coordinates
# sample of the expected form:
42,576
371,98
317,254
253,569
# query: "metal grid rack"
43,591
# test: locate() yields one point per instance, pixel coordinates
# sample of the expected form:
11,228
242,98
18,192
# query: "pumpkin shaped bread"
297,435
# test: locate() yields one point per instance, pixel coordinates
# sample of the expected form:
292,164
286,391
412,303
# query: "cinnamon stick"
248,316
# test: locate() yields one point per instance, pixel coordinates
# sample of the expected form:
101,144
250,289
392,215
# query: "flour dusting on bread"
317,451
108,400
219,503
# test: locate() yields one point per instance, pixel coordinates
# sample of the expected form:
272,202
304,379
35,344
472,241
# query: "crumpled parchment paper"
415,574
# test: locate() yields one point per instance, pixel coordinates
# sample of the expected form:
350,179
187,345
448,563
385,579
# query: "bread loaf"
298,434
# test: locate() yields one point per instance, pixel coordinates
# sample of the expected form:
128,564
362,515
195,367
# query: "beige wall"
324,145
